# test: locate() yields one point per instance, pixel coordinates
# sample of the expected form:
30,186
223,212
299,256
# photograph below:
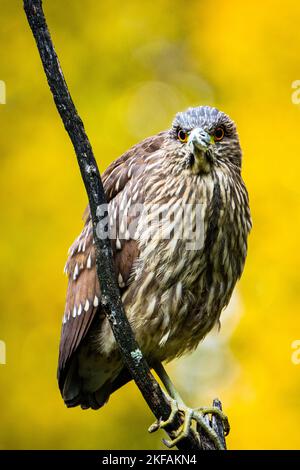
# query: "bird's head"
203,138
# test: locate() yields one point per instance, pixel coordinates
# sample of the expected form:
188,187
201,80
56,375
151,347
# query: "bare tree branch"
110,299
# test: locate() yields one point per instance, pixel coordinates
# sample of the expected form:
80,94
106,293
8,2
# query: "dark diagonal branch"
111,300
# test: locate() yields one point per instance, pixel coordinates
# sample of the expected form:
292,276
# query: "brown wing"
121,181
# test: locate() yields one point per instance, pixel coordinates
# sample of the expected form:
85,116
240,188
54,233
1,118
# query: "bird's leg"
162,374
189,415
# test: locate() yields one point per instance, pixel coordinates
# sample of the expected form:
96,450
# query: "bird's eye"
182,135
219,134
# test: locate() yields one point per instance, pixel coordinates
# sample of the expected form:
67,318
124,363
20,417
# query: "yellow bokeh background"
130,67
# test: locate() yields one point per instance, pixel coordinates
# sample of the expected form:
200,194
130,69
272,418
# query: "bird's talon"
168,443
213,410
154,426
174,411
160,424
189,415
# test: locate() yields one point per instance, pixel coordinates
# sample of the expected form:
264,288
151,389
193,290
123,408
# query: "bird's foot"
190,415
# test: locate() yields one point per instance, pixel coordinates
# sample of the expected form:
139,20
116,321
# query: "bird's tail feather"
74,395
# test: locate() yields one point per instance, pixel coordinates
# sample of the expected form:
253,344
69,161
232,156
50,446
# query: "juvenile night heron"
178,219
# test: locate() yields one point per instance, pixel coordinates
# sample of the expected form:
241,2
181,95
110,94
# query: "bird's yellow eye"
219,134
182,135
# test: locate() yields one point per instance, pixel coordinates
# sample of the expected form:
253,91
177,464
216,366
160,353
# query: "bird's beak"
199,141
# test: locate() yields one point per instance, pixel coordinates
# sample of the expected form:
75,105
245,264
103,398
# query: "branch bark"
111,300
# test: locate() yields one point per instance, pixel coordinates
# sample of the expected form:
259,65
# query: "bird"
178,218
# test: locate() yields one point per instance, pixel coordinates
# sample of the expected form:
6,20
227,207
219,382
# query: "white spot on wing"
120,280
76,271
127,235
89,262
87,305
118,244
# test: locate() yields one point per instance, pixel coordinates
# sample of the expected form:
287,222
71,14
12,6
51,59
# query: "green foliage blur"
130,67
